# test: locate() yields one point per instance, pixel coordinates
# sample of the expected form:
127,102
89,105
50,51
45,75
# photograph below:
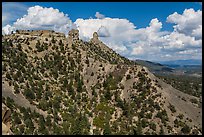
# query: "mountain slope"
183,62
77,87
155,67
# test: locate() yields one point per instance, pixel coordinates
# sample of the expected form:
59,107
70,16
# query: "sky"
154,31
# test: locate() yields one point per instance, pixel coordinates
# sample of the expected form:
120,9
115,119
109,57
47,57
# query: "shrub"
128,77
108,95
87,61
144,123
53,40
193,100
186,129
172,108
29,94
153,126
134,85
176,123
107,130
181,116
183,99
8,76
17,120
143,69
149,115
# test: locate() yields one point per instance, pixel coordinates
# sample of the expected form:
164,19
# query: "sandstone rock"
97,42
73,36
6,118
95,39
5,129
6,112
95,36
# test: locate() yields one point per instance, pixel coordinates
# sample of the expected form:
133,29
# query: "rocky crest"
95,37
73,36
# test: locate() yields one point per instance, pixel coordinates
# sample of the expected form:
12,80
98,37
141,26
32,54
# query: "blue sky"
138,14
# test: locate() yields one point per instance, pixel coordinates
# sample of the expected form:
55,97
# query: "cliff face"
59,85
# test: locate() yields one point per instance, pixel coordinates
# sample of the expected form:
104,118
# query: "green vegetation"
52,79
186,129
172,108
128,77
110,83
195,101
187,84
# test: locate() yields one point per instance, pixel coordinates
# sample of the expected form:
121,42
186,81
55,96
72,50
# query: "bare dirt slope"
175,96
19,99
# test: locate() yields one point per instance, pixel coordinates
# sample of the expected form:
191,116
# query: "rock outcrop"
45,33
73,36
6,118
97,42
95,39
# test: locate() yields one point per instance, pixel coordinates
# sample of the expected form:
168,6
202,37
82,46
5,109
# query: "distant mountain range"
188,67
155,67
182,62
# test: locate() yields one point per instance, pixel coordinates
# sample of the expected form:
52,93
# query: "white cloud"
186,38
146,43
38,17
103,32
150,43
188,23
118,30
197,32
7,29
138,50
155,25
99,16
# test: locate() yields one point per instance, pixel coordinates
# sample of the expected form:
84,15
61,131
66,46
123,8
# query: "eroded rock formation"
73,36
6,119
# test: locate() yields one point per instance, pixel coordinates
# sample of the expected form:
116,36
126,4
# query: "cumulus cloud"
186,38
103,32
124,38
38,17
197,32
148,43
189,23
99,16
7,29
117,29
138,50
